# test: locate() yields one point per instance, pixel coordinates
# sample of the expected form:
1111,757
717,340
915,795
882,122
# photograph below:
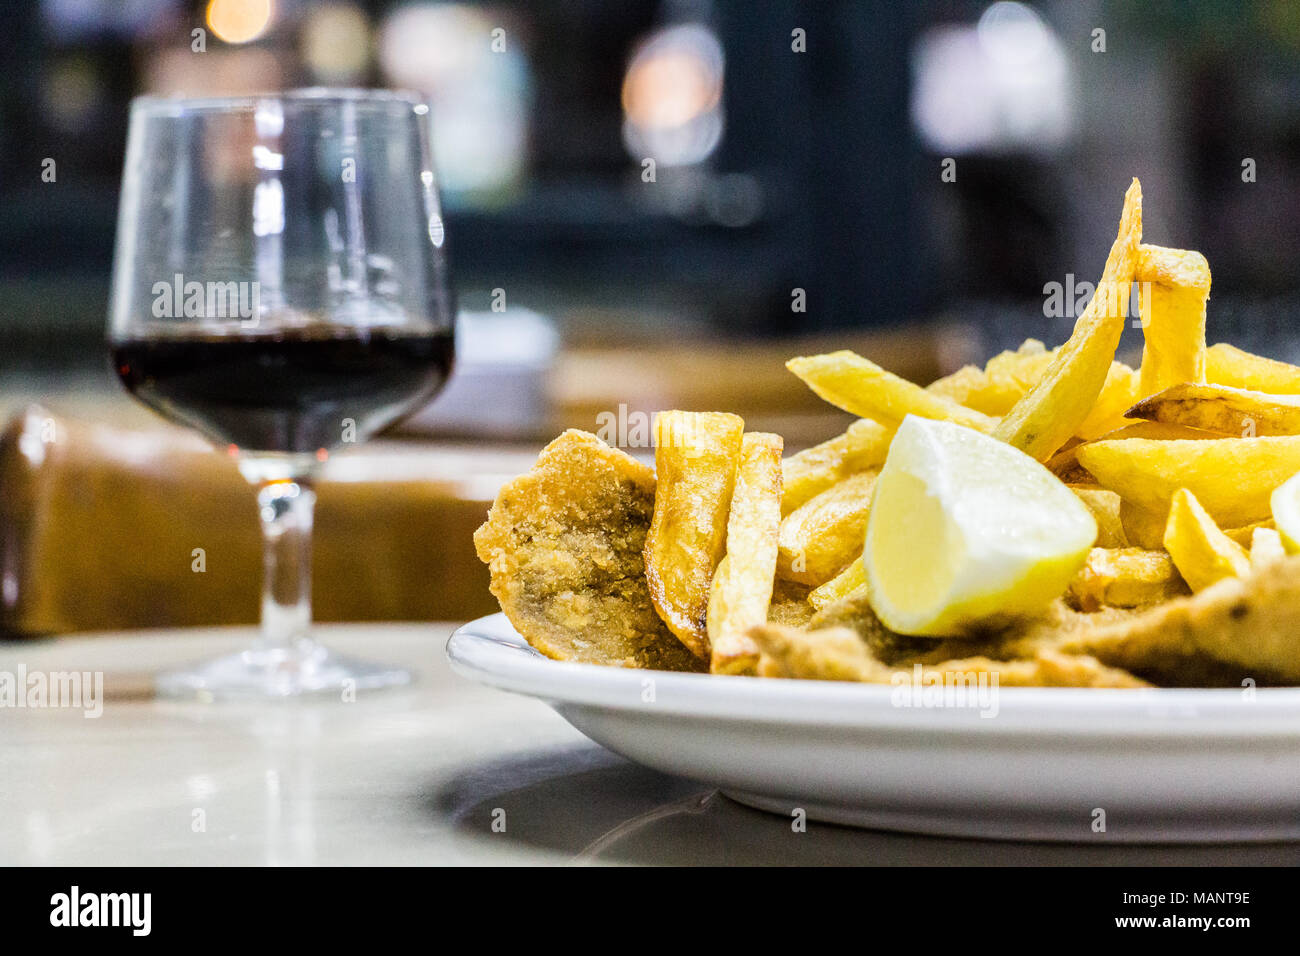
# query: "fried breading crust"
839,653
563,543
847,642
1233,630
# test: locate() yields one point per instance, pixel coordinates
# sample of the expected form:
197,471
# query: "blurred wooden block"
99,528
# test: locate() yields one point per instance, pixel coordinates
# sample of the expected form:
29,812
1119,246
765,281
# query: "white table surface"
413,776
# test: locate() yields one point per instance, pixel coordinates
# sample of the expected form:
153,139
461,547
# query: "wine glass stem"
286,507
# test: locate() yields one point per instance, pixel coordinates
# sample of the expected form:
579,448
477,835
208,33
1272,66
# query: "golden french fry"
852,580
1231,477
857,385
1246,533
996,388
1221,408
696,454
1067,468
1200,550
1265,547
1117,395
1175,286
821,538
1146,529
790,604
1053,410
1065,462
1228,365
1143,528
1104,506
1125,577
742,586
813,470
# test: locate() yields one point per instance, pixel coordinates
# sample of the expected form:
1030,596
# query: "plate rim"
490,651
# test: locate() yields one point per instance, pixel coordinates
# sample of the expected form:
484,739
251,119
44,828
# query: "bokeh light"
672,96
239,21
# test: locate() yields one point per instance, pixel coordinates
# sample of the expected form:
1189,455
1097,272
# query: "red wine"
294,391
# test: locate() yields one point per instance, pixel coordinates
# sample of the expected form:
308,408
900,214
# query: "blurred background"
653,202
796,145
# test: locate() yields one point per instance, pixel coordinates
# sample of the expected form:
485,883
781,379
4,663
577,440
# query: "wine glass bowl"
280,285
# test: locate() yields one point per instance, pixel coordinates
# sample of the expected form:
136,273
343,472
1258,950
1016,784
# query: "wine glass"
280,285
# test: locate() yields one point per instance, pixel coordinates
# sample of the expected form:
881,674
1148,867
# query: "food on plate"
741,592
967,532
852,580
1265,547
1198,547
1237,629
1105,507
563,544
1228,365
813,470
1003,381
840,653
1117,395
1175,286
1284,505
1232,477
1246,533
1065,463
822,537
696,454
858,385
1053,518
1052,411
1143,528
1223,409
1125,577
790,604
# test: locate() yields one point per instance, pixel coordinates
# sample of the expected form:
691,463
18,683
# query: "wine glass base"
261,672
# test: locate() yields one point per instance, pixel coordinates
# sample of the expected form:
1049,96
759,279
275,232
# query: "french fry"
790,604
1105,507
742,586
1125,577
1200,550
821,538
1246,533
1232,478
1052,411
1002,382
1065,462
1221,408
1143,528
1117,395
1265,548
1008,376
813,470
1227,365
1176,287
696,454
852,580
1146,529
857,385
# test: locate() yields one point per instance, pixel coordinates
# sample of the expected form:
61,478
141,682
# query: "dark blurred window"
796,146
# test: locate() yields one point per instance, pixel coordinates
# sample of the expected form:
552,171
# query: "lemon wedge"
966,530
1285,504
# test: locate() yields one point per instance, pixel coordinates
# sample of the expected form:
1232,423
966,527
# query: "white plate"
1160,765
